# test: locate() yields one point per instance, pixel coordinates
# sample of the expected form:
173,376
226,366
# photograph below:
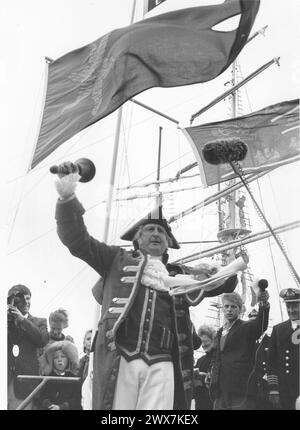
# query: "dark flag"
151,4
271,134
172,49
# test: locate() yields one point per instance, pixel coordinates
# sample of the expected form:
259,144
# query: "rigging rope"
238,170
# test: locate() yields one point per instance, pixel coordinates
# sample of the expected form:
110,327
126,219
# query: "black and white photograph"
150,216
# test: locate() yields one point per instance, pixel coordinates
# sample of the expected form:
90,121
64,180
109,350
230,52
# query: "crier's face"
293,310
231,311
153,239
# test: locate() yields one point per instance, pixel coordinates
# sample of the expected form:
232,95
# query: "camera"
16,299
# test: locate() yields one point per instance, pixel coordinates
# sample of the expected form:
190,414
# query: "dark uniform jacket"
260,376
235,363
29,335
122,272
201,393
283,363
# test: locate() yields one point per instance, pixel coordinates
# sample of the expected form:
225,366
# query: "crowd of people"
36,353
143,349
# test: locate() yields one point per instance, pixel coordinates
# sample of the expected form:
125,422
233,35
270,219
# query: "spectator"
201,394
283,355
84,361
234,355
61,360
26,334
58,321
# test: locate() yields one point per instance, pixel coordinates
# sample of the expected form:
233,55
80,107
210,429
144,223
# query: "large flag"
271,134
168,50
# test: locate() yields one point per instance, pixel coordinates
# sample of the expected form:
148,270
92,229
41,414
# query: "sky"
30,249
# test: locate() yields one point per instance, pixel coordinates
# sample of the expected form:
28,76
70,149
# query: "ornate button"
111,346
263,362
109,334
287,371
287,364
287,351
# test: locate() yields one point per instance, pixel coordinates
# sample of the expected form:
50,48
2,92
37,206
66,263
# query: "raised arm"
71,228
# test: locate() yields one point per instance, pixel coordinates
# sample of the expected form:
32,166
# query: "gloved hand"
66,182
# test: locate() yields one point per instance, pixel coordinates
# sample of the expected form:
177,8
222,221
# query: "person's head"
152,234
60,361
232,306
207,335
291,297
58,321
59,356
20,296
152,238
87,341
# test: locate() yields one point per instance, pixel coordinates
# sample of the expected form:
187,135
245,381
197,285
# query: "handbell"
86,169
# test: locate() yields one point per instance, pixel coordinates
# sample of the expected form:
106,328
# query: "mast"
159,195
97,308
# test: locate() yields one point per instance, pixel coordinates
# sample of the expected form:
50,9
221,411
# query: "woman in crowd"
201,393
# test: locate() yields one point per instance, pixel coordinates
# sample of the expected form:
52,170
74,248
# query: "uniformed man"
143,353
283,354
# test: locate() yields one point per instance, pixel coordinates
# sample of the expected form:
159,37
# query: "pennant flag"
172,49
151,4
271,134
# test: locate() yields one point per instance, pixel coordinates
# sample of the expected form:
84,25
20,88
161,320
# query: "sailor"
143,350
283,354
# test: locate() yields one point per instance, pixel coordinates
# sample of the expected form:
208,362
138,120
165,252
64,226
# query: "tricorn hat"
154,217
290,295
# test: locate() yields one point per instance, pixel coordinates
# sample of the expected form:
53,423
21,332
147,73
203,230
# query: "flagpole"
159,195
97,308
233,89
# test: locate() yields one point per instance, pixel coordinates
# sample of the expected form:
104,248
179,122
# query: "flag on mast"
172,49
151,4
271,134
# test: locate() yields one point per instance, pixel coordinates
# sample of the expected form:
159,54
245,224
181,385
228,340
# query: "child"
60,359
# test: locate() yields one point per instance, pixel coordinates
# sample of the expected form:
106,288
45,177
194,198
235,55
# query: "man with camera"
26,334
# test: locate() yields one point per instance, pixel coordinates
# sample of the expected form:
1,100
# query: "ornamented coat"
121,273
